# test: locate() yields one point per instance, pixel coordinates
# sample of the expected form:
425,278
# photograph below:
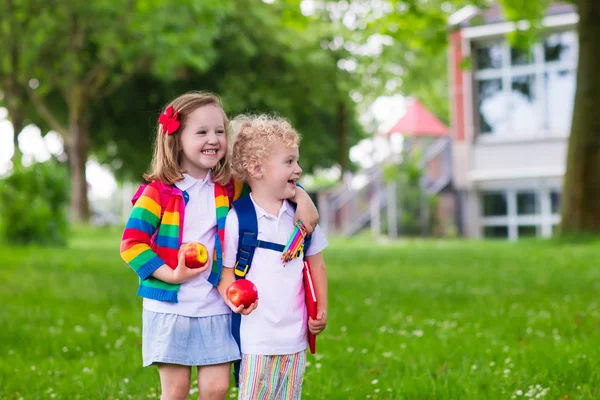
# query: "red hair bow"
169,121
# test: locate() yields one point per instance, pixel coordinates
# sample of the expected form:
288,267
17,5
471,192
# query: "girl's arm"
141,225
306,211
180,274
319,275
135,243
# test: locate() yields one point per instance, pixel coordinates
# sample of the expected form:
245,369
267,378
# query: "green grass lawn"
407,320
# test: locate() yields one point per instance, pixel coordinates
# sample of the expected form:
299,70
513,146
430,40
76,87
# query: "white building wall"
510,171
517,159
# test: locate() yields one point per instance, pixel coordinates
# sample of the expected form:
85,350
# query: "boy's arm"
319,275
227,278
230,249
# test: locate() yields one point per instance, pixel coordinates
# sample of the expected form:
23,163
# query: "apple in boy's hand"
242,292
195,253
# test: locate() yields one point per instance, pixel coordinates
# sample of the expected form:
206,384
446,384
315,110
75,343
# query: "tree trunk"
342,136
580,212
77,144
14,92
17,121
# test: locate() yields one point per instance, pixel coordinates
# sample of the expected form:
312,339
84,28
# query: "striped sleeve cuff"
147,269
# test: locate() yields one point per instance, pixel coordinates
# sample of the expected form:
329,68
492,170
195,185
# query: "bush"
33,204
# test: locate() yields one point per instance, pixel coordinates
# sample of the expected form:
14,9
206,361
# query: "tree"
269,59
13,22
80,52
581,190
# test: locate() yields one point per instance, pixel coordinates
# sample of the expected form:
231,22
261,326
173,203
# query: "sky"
385,111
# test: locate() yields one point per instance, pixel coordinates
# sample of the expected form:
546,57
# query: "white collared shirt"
279,323
196,297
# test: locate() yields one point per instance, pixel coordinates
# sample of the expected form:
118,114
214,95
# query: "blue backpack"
247,244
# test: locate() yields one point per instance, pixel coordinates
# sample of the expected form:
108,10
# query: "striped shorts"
272,377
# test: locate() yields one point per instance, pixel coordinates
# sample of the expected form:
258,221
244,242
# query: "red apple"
196,254
242,292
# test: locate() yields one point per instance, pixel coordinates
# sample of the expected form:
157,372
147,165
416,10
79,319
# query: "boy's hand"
182,273
241,309
316,326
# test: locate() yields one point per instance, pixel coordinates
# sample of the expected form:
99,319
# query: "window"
555,201
558,104
494,204
495,232
525,92
519,213
527,203
560,47
489,55
522,105
527,230
492,116
519,57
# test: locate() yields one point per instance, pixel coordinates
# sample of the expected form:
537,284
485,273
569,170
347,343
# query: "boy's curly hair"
253,139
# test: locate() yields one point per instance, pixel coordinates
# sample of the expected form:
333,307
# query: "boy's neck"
266,201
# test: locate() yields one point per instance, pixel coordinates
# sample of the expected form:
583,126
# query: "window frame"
538,68
544,219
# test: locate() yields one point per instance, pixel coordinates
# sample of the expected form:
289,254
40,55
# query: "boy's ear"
257,173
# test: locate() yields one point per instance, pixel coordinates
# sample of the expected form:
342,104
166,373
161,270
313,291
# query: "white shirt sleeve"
317,243
232,231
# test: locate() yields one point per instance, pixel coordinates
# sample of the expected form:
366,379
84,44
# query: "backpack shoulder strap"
248,231
248,227
248,236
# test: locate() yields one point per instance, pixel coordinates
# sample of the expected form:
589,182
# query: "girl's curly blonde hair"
167,148
253,139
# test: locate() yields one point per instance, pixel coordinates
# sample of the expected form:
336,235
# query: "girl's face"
203,141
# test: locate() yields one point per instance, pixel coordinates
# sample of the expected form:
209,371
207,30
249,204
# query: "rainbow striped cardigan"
153,233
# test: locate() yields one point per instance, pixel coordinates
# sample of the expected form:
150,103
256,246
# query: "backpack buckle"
239,272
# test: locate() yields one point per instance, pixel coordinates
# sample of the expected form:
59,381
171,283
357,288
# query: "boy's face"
281,171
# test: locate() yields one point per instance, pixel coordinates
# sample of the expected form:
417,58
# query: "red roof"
419,121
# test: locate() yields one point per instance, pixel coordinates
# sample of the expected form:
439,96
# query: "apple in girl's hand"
196,254
242,292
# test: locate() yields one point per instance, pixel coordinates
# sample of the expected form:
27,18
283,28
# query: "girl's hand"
241,309
182,273
316,326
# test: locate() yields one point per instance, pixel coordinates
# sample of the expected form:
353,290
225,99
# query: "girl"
185,321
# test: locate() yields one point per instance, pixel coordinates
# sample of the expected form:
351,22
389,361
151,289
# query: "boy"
273,336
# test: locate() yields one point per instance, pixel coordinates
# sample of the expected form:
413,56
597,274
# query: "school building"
511,116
